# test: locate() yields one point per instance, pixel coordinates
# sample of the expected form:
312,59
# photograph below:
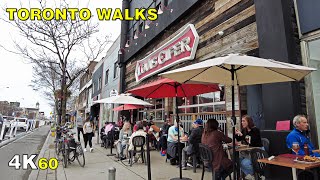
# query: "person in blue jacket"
300,134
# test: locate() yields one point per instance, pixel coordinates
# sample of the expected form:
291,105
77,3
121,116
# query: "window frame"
115,70
106,81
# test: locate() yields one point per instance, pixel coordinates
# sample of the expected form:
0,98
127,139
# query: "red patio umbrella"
169,88
128,107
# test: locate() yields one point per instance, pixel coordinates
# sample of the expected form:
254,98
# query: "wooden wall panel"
221,3
239,41
228,23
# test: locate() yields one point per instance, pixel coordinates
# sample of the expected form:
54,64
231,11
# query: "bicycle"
61,145
69,149
75,151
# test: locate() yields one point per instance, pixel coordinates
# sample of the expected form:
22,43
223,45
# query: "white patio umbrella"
239,70
123,99
126,99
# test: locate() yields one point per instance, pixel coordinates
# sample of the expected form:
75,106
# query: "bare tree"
67,45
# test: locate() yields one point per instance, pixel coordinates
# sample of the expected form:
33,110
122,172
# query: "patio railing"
188,118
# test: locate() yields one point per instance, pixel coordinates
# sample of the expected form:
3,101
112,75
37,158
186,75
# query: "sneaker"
163,153
189,164
184,168
249,177
91,149
84,149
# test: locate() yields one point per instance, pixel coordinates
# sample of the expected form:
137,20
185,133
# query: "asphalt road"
29,144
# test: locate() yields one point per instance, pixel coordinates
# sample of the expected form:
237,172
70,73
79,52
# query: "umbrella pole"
148,157
179,146
233,119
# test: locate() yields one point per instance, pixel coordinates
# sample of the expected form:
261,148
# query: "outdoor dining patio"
233,70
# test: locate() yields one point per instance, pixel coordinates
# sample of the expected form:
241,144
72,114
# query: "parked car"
21,123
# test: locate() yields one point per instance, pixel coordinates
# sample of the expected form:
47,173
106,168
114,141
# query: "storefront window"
314,61
209,102
155,112
206,98
208,108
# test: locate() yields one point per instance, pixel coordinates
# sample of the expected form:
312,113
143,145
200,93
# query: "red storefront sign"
181,48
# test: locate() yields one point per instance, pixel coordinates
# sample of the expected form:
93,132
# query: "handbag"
189,149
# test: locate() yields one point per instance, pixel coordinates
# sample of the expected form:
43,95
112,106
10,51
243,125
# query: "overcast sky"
16,73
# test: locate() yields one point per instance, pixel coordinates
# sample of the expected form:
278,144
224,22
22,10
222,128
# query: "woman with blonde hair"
124,136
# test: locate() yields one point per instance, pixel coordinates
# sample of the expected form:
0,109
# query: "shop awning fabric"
128,107
123,99
166,88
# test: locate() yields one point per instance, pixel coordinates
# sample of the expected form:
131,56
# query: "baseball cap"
198,121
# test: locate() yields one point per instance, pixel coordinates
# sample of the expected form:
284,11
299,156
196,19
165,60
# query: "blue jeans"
246,165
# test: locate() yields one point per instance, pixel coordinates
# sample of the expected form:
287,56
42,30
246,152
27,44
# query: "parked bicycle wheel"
65,156
80,155
56,147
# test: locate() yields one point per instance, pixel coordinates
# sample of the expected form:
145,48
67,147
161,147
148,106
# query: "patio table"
288,161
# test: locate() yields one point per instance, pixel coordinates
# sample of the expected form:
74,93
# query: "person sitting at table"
103,136
214,139
123,141
194,139
250,135
300,135
135,127
154,134
139,132
172,142
163,138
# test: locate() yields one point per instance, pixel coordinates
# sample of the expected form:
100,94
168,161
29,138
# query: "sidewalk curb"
34,174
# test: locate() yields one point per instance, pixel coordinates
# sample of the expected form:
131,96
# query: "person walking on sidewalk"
80,123
88,133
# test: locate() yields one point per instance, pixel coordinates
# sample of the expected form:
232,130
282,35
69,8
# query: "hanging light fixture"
160,11
135,35
127,44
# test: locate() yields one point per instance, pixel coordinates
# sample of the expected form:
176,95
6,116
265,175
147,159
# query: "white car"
20,123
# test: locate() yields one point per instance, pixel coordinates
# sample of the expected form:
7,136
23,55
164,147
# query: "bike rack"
15,127
3,127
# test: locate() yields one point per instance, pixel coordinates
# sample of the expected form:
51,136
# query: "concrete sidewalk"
98,163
